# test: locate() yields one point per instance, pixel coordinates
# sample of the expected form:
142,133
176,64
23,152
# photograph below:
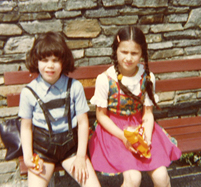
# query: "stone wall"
172,29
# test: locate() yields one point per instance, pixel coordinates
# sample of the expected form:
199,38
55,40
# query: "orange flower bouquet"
136,137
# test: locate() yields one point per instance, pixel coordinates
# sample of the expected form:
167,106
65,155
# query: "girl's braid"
149,84
124,88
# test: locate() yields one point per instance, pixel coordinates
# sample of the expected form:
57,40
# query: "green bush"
191,158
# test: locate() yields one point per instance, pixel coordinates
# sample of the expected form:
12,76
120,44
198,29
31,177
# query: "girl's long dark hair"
47,44
136,35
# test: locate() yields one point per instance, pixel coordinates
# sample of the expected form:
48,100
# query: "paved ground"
181,176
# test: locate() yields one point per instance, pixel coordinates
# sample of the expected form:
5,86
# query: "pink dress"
109,154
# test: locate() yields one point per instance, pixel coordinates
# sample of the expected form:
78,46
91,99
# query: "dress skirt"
109,154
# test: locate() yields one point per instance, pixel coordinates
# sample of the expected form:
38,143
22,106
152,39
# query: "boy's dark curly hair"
48,44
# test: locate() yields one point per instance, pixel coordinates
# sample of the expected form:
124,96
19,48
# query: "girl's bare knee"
132,178
160,177
162,181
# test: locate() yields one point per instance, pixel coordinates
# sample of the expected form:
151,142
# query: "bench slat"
189,142
189,145
184,130
187,83
24,77
161,86
13,99
89,92
180,122
175,65
187,132
18,77
88,72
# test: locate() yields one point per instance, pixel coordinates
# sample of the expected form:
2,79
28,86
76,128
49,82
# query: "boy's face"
129,54
50,69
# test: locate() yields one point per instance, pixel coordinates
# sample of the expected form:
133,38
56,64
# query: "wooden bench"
187,129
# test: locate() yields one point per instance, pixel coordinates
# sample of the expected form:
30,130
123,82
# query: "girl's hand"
148,140
79,169
34,164
148,123
129,146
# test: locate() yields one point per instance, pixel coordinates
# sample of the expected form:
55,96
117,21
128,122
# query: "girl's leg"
43,179
92,181
132,178
160,177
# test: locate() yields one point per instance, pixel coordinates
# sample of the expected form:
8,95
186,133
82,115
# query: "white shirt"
100,97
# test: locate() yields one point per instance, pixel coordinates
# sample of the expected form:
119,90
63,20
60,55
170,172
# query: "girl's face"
129,54
50,69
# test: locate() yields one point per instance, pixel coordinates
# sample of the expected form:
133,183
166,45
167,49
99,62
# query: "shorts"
50,152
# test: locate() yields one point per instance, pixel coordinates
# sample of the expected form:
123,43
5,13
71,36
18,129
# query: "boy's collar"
45,86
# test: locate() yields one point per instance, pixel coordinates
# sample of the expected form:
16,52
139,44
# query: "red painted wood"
189,142
175,65
189,145
187,83
24,77
13,100
184,130
89,92
23,167
18,77
88,72
161,86
179,122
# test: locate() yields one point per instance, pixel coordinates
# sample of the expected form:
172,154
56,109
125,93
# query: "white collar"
127,80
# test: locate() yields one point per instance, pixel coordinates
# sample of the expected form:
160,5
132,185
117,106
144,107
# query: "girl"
124,95
53,60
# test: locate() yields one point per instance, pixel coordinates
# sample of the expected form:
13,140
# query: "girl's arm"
27,145
79,167
148,122
111,127
108,124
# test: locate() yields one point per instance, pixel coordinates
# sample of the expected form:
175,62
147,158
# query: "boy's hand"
79,169
34,164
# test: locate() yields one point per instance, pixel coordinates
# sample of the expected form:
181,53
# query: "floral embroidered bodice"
122,104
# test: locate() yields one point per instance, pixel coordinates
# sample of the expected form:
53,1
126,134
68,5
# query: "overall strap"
67,106
42,105
48,116
56,103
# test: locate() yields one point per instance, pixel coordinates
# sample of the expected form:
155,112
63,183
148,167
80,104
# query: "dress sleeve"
100,97
148,101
